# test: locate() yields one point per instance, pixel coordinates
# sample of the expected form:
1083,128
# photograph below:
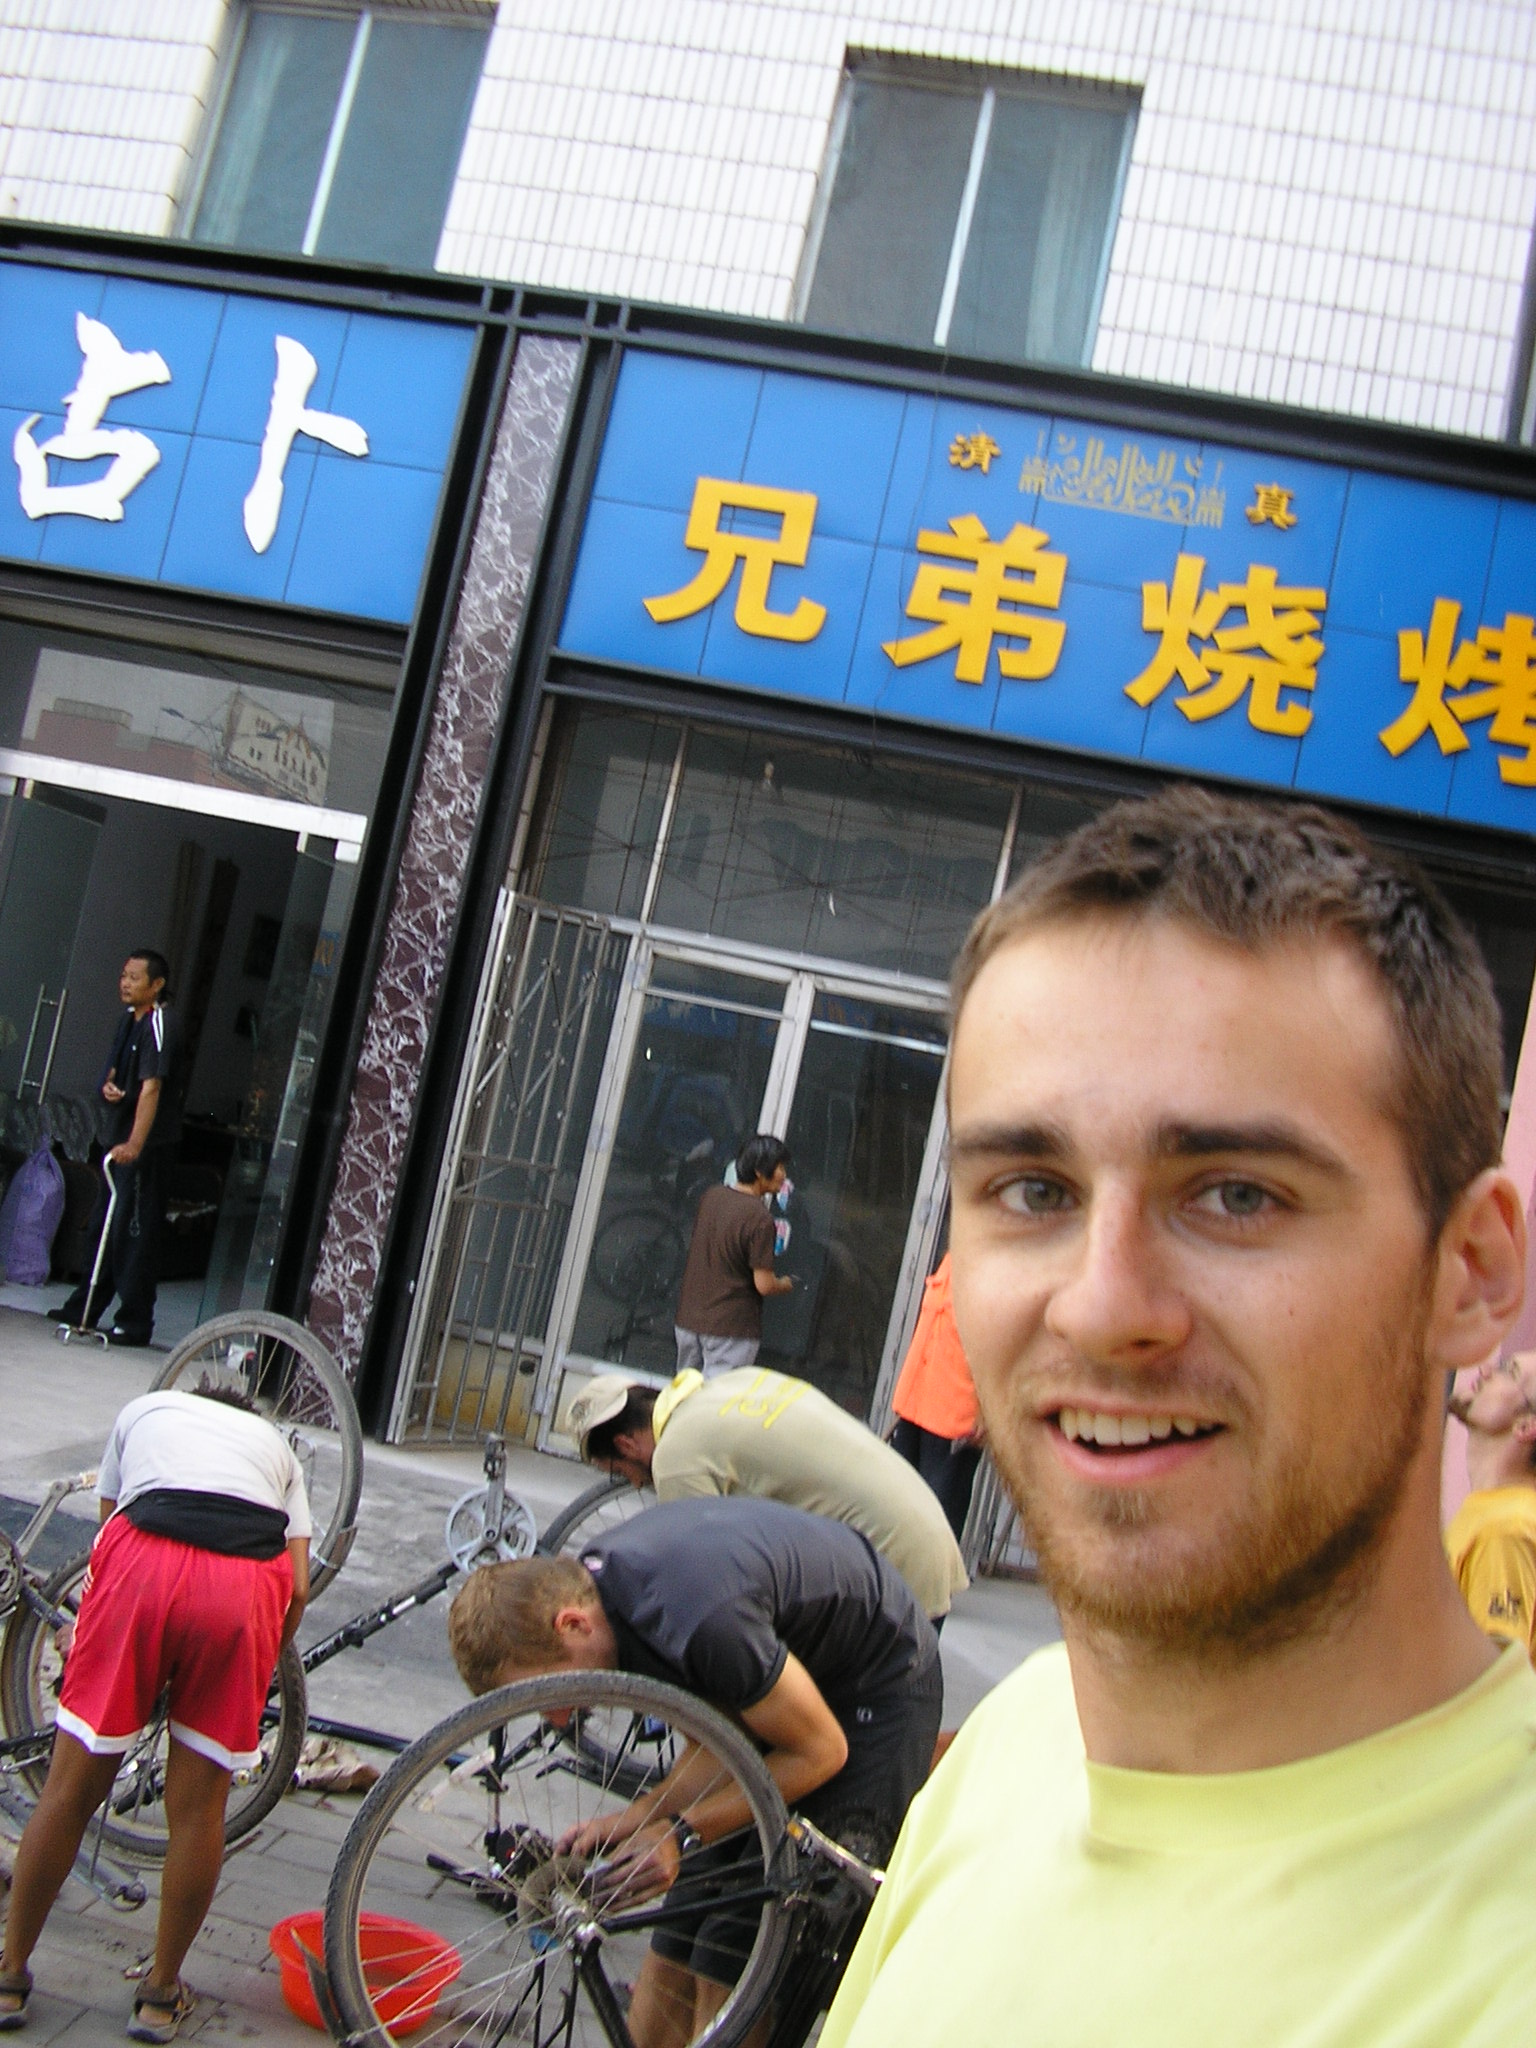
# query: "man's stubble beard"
1281,1567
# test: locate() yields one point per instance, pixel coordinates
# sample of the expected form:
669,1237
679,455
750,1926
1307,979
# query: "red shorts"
158,1613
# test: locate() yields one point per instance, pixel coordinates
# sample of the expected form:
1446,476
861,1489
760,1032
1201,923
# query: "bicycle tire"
603,1506
29,1670
297,1385
638,1255
440,1852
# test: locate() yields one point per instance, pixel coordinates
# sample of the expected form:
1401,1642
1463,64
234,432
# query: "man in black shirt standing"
791,1623
144,1085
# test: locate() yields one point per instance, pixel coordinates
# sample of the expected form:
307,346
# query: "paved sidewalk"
58,1403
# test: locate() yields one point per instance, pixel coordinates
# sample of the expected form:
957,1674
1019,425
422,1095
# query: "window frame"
986,83
474,13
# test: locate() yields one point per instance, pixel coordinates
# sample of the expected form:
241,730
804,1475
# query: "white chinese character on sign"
288,418
107,371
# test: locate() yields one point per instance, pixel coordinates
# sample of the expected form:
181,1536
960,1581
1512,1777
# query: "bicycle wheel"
638,1257
31,1670
460,1837
297,1385
607,1505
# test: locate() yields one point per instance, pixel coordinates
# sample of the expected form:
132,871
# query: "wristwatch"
687,1835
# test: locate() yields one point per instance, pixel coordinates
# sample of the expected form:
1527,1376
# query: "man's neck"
1498,1461
1403,1644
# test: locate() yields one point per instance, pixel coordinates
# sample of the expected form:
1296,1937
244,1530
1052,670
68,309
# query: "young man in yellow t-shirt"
1227,1207
1491,1539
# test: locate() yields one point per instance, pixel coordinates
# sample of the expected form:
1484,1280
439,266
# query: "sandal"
15,1984
174,2000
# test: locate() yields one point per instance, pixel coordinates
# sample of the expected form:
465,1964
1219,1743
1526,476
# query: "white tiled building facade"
1328,202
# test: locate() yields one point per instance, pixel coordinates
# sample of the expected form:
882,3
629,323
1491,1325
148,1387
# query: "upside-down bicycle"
462,1835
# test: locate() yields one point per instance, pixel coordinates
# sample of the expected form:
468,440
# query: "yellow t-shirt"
1491,1542
1378,1896
760,1432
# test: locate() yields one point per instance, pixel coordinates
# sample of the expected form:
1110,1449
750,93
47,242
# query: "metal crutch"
67,1332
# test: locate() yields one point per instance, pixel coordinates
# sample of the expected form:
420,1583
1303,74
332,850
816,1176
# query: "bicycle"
461,1835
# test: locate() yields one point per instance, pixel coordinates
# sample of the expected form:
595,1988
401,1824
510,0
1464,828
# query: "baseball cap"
598,1402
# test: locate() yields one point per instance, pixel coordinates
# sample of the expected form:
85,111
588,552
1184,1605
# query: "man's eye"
1238,1199
1034,1196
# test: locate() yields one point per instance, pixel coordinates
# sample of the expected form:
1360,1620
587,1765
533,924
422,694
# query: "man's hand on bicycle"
647,1865
648,1854
605,1831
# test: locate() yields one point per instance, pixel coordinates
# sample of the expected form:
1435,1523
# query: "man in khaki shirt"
759,1432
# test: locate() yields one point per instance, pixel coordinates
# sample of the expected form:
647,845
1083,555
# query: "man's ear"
626,1444
1479,1283
1524,1429
573,1621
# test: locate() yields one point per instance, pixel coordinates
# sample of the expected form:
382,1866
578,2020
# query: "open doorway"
247,922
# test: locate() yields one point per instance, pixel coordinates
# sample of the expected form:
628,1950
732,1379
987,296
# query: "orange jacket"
935,1389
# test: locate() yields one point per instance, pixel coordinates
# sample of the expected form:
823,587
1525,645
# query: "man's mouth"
1096,1430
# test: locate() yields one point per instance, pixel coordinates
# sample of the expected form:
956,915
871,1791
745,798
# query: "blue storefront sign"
1187,602
259,448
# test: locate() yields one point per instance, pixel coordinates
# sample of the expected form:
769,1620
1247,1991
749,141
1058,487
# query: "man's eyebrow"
1011,1141
1264,1140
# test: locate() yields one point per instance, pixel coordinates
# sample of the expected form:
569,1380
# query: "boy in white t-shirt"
197,1580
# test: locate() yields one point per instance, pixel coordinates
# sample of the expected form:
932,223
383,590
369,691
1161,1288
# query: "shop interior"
124,843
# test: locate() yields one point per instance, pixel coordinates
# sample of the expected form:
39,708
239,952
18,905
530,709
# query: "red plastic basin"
406,1968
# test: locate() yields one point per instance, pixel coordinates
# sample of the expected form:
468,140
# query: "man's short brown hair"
504,1614
1257,875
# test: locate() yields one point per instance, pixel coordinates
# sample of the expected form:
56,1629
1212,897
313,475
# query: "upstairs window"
339,133
968,211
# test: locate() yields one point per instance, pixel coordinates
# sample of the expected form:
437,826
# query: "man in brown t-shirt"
730,1265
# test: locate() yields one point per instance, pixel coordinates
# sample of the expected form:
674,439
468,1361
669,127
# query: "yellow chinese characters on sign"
759,555
973,451
1501,658
1271,503
972,595
1268,646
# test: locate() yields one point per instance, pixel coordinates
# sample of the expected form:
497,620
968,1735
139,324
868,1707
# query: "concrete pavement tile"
85,2028
249,1905
49,2019
232,1941
300,1851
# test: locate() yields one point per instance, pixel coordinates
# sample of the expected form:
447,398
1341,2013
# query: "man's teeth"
1087,1425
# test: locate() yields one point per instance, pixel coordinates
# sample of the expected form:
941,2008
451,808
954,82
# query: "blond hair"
503,1616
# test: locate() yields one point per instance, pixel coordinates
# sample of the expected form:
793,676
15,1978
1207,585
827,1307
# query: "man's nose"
1117,1303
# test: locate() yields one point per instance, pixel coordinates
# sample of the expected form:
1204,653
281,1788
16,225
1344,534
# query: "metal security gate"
510,1176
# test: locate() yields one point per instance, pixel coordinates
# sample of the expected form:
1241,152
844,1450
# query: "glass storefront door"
858,1129
213,810
46,852
694,1089
704,1053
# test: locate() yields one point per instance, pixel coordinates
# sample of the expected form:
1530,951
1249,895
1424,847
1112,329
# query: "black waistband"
210,1521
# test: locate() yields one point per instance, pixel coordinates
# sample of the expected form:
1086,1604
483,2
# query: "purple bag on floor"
30,1214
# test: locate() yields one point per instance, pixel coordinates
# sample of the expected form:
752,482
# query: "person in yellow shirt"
1227,1208
763,1433
1491,1538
